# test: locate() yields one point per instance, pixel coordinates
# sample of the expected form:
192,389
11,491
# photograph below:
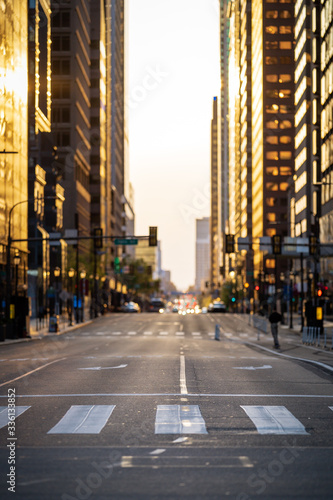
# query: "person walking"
274,319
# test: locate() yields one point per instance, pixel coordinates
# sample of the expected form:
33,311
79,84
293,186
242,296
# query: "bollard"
325,337
305,332
217,332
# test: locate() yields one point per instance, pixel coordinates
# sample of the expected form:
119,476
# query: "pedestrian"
274,319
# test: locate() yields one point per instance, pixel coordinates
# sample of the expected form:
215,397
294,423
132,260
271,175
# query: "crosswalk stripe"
164,333
181,334
4,414
331,408
147,333
274,420
116,333
179,419
83,419
196,334
132,333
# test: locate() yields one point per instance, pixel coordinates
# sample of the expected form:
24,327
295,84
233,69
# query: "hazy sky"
173,63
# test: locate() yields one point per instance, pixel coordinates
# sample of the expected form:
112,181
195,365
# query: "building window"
285,124
271,60
285,155
285,171
272,155
285,30
272,124
272,139
272,108
271,30
272,45
285,139
271,217
284,186
271,78
272,186
272,170
285,14
285,60
286,45
271,202
284,94
272,14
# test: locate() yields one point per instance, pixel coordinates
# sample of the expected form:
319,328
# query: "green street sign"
126,241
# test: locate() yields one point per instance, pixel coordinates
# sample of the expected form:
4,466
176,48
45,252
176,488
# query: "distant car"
156,305
175,309
131,307
204,310
218,307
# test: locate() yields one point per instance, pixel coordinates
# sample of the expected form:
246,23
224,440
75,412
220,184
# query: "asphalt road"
151,406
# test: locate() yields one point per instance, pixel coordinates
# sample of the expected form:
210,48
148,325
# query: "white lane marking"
180,440
183,388
103,367
179,419
274,420
32,371
212,334
159,451
131,333
4,414
331,408
115,333
147,333
243,334
164,333
265,367
181,334
196,334
83,419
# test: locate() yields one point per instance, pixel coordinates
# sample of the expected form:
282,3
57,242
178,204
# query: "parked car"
218,307
156,305
131,307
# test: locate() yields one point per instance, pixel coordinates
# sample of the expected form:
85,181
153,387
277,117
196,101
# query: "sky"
173,75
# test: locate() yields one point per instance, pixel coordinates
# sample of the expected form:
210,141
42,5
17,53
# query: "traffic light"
313,245
153,236
319,292
257,288
98,237
117,265
229,243
276,244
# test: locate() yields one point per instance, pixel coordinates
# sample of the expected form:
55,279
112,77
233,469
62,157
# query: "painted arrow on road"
265,367
104,367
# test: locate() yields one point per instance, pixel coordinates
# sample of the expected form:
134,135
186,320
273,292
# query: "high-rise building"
71,107
100,92
272,122
215,215
13,152
118,114
202,253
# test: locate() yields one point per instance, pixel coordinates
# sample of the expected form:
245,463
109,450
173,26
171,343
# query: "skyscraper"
215,214
202,253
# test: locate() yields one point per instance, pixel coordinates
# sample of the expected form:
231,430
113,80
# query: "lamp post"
17,260
83,275
56,273
291,287
71,273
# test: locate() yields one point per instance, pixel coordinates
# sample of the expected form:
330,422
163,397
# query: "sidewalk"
39,331
292,346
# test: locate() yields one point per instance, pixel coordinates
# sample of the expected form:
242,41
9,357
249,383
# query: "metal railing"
313,335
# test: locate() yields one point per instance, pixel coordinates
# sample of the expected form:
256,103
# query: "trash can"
54,324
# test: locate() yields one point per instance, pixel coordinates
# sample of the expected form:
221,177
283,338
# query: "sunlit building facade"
215,214
224,150
13,147
272,122
324,19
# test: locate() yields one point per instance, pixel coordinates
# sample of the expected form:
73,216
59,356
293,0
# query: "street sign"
125,241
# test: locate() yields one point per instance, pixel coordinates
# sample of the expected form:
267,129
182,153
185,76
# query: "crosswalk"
171,419
163,334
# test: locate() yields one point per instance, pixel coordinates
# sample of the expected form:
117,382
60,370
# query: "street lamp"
71,273
57,272
83,275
